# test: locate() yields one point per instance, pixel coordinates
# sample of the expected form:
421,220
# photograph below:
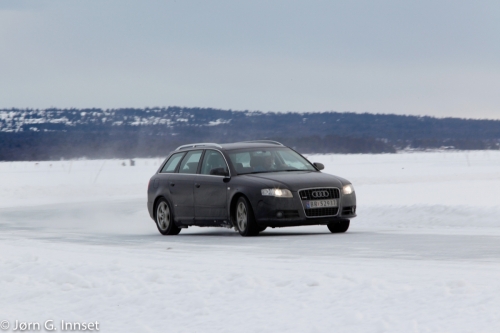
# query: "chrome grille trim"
306,194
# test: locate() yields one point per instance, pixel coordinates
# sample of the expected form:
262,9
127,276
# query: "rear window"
172,163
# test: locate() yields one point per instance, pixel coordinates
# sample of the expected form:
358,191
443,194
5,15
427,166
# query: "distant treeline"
54,146
124,133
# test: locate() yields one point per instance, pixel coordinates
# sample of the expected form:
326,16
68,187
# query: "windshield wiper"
286,170
259,172
250,173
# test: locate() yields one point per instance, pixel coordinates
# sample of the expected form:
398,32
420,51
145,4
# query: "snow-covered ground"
423,255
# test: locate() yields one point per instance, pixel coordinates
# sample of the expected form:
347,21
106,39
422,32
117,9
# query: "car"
249,186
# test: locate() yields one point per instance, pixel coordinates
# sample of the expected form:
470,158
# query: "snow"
77,244
218,122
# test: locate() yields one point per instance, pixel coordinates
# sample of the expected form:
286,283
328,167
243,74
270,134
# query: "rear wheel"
245,221
164,219
338,227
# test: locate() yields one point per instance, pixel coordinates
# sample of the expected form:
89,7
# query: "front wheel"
245,221
164,219
338,227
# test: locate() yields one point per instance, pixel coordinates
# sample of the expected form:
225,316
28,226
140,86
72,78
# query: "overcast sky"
438,58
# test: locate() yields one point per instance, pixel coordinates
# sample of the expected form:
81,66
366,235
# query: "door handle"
197,185
171,184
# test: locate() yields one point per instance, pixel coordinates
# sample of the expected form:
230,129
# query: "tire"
244,218
338,227
164,219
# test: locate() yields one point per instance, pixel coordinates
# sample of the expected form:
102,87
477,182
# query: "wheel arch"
155,203
232,206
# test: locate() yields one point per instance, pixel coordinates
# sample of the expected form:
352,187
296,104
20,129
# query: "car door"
181,186
210,191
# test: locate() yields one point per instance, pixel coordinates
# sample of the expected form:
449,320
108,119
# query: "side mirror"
319,166
219,172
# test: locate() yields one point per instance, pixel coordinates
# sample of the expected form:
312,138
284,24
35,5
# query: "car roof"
231,146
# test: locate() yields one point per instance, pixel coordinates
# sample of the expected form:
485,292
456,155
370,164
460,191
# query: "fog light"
279,214
353,209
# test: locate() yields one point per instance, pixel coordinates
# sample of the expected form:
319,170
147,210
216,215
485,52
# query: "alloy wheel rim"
163,216
241,216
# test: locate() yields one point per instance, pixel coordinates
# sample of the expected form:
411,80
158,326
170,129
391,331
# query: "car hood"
295,181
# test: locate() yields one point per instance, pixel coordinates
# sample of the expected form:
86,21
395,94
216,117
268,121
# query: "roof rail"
264,141
202,144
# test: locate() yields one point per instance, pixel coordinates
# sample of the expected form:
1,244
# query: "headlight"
276,192
348,189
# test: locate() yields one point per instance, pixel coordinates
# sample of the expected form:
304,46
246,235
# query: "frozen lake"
423,255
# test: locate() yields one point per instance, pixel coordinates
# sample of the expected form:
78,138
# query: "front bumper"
284,222
287,212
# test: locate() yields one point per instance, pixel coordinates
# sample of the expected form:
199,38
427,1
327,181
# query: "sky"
438,58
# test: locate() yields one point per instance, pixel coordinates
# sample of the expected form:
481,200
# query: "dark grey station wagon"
249,186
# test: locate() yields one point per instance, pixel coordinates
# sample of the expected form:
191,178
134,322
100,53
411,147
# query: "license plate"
321,203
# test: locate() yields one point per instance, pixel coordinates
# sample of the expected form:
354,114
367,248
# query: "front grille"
320,193
318,212
333,193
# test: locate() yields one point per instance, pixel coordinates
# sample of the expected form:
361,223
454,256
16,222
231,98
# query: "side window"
190,162
243,158
172,163
241,162
214,164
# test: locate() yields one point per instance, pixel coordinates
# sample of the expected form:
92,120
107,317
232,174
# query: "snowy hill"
97,133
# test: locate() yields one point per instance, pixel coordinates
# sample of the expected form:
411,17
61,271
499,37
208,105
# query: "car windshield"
260,160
